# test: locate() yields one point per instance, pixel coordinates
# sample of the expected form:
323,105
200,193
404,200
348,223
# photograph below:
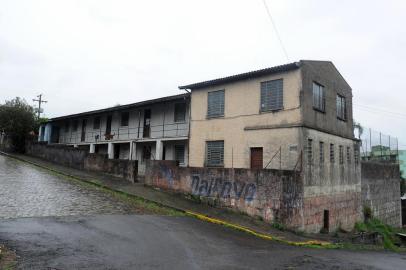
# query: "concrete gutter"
265,236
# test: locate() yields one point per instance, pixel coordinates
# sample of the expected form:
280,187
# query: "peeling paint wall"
271,194
330,185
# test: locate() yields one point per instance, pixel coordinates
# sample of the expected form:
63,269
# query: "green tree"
18,122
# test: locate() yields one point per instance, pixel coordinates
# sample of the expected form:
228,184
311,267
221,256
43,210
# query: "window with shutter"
319,99
215,104
180,154
215,153
332,154
272,95
309,152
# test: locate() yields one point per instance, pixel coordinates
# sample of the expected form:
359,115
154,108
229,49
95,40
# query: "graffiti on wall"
222,188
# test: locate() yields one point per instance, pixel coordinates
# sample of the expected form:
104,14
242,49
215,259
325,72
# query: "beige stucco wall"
242,109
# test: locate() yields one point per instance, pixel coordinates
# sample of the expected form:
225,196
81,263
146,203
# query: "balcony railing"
125,133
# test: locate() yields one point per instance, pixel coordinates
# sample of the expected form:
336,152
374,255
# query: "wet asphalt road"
158,242
54,223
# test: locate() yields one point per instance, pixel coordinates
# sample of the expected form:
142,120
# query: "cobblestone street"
53,222
27,191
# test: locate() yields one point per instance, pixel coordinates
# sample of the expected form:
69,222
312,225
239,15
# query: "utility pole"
40,101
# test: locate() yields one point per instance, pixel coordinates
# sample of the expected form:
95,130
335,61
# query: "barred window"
341,108
319,98
272,95
309,151
321,153
332,154
348,155
180,153
215,153
96,122
356,155
125,116
215,104
180,112
341,153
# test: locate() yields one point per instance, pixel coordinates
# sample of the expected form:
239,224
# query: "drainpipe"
189,123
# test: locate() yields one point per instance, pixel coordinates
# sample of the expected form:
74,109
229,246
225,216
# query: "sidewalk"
202,211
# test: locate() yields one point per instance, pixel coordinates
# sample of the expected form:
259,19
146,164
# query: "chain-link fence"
377,146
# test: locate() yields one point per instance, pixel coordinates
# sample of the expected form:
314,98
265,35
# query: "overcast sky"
84,55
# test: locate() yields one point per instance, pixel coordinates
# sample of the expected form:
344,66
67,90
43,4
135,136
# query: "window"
75,125
356,155
180,112
341,154
215,104
272,95
319,98
332,154
215,153
67,126
124,119
321,150
96,122
348,155
180,153
341,108
309,151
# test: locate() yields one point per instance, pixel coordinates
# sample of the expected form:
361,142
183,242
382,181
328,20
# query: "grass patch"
388,233
7,259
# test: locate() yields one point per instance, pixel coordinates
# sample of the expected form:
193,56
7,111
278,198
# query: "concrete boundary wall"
380,187
81,159
275,196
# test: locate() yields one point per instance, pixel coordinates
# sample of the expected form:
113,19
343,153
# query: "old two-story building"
293,117
152,129
283,117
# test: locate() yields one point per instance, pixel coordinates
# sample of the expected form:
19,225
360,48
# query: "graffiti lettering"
223,189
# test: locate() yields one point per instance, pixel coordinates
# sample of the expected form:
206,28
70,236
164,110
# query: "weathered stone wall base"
80,158
381,191
344,210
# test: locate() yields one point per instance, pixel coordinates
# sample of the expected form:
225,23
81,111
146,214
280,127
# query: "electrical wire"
276,30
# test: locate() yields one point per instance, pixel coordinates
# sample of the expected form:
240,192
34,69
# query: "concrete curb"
310,243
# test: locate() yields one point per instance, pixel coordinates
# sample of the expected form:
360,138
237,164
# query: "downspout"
189,123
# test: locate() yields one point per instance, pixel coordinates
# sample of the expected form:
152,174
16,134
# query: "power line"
274,27
380,109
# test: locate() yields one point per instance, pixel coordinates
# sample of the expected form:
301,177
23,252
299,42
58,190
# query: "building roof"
243,76
122,107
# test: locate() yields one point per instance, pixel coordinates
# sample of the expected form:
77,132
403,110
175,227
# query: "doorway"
147,124
257,158
108,124
83,137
